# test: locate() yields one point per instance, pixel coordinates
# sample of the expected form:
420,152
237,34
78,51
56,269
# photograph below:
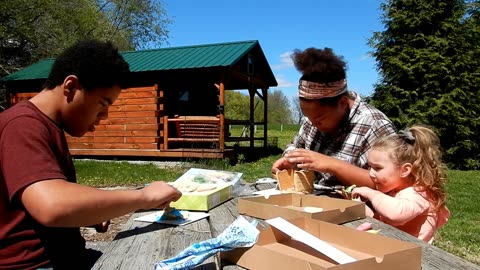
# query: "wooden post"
251,92
165,132
222,116
265,116
161,116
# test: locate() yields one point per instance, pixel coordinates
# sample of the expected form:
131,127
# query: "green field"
460,236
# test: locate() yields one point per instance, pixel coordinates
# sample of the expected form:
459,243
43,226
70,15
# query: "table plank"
222,216
432,256
140,244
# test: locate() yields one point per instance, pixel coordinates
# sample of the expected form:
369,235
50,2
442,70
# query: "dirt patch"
116,225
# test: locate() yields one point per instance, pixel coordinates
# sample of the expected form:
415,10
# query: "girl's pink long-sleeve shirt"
409,211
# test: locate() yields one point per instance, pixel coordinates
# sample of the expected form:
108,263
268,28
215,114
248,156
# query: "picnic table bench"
140,245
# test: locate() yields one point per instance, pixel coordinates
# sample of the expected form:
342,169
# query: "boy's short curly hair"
96,64
319,65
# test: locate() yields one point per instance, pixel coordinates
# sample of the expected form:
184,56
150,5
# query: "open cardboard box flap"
276,250
291,205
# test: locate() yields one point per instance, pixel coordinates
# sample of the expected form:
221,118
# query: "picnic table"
140,245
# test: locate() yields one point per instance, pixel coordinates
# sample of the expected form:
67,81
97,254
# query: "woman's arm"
347,173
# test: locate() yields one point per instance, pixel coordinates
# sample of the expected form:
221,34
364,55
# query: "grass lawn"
460,236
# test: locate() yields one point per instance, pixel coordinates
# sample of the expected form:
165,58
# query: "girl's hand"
364,193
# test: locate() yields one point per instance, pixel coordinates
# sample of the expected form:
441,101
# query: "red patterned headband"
313,90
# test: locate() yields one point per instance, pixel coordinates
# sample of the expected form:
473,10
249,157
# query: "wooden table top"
140,245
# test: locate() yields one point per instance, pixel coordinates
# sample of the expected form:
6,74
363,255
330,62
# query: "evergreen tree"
427,57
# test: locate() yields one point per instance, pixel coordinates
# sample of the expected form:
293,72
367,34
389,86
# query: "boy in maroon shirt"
41,205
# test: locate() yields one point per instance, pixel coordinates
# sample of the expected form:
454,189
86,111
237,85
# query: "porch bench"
194,129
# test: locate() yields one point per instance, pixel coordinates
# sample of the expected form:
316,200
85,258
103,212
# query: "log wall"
135,121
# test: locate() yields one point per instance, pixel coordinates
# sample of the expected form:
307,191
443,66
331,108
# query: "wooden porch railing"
194,129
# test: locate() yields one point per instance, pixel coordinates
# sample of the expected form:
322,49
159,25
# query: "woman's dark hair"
95,63
321,66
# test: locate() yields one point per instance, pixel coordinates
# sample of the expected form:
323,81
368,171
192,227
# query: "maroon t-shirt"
33,148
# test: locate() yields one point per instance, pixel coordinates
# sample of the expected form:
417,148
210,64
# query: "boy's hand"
159,195
102,227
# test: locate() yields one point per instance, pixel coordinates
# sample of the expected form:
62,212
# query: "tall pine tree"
427,57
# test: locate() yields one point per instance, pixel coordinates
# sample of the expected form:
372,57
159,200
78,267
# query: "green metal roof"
185,57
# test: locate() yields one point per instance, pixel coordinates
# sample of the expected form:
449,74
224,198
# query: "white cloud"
285,61
282,82
367,56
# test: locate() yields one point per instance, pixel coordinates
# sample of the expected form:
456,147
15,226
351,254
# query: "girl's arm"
394,210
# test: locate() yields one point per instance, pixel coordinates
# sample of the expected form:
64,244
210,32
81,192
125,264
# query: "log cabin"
174,105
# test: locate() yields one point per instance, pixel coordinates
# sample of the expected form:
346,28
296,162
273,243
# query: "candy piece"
186,186
373,231
350,188
171,213
206,187
347,192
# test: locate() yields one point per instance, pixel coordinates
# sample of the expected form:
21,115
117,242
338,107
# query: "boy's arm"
58,203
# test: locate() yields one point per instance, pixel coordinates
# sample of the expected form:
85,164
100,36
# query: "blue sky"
282,26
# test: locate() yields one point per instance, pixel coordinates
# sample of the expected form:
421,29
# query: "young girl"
408,176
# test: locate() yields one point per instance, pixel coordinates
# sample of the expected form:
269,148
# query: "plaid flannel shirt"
364,125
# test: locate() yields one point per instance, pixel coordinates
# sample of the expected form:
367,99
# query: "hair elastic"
407,136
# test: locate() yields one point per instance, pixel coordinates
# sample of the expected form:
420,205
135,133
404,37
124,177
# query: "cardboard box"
291,205
224,182
276,250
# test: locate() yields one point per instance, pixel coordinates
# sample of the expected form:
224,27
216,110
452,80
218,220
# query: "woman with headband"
338,127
